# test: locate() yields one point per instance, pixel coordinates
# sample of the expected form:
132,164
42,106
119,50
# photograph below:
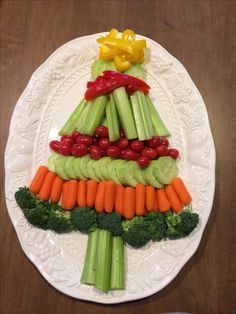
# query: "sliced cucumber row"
159,173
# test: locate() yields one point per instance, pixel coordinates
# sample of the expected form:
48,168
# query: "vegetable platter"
110,168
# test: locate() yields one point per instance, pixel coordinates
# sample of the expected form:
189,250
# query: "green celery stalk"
112,120
94,115
141,116
103,260
158,125
118,264
88,274
71,123
125,112
82,119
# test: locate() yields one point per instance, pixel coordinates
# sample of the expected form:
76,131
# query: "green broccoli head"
128,223
111,222
38,216
156,225
84,219
136,232
59,220
24,198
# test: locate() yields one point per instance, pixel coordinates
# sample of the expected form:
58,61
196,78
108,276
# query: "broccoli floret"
38,216
111,222
156,225
84,219
24,198
59,220
135,232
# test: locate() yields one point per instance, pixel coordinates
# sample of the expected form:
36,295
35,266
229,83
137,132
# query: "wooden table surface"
201,34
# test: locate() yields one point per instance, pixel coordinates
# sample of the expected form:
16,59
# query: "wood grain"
201,34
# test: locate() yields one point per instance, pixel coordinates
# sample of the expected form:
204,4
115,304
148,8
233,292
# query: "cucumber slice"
90,169
103,167
150,178
129,170
138,71
77,170
121,171
165,169
83,165
112,171
97,170
69,167
138,174
99,66
52,161
60,167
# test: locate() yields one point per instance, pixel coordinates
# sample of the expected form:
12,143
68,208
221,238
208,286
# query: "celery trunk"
112,120
71,123
158,125
142,116
125,112
103,260
88,274
93,115
118,264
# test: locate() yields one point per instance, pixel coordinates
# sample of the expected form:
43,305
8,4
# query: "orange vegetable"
91,192
129,203
46,187
69,194
56,190
140,199
119,199
100,197
155,205
110,190
162,200
81,194
172,196
182,191
150,197
38,179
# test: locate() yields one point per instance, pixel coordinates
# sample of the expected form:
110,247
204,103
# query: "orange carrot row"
108,196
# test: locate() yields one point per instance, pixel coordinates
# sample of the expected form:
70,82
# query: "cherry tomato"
165,142
79,150
104,143
113,151
143,161
123,143
102,131
149,152
67,139
137,145
162,150
122,154
85,139
75,135
130,154
174,153
95,152
54,145
154,142
64,148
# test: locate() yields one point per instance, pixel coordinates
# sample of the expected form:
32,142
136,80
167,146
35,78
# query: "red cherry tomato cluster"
99,145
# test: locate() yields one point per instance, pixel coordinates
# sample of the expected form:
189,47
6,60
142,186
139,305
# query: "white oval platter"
50,96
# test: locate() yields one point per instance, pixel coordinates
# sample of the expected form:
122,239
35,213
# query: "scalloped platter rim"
50,96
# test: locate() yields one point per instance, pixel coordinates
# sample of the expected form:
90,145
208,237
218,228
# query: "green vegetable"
112,120
138,71
99,66
84,219
111,222
135,232
156,225
24,198
72,123
125,112
59,220
38,216
117,264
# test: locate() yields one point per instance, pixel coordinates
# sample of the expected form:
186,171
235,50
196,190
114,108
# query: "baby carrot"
46,187
69,194
182,191
155,205
91,192
64,194
81,194
140,199
162,200
129,203
150,197
100,197
119,199
110,190
172,196
56,190
38,179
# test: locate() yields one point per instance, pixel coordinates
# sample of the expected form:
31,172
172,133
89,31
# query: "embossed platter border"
39,113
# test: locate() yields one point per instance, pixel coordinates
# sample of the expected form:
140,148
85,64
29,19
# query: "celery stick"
88,274
104,121
125,112
138,118
118,264
103,260
83,118
158,125
71,123
94,115
112,120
